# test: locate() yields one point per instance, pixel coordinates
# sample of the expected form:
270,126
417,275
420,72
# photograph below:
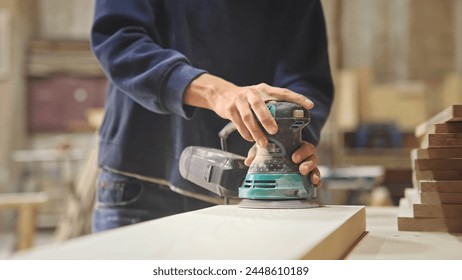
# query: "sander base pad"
278,204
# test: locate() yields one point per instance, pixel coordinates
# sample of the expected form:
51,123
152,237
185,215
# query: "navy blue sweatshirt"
151,50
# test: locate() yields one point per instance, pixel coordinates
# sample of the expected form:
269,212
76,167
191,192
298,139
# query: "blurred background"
396,63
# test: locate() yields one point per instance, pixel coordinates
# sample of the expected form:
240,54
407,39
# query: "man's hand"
238,104
305,156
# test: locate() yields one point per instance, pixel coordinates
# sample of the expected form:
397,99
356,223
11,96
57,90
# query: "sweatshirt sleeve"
126,43
304,64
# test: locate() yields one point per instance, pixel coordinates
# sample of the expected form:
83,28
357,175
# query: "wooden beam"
440,198
450,175
445,140
451,114
224,232
441,186
437,210
407,221
448,128
15,200
383,241
438,164
438,153
26,204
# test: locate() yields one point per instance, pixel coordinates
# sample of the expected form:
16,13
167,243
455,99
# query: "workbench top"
383,241
161,238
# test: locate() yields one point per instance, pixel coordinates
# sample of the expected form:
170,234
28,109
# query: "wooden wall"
400,39
13,86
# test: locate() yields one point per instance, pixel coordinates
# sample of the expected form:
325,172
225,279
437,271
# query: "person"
178,72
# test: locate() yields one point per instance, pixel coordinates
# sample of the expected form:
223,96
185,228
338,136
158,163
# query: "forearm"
204,91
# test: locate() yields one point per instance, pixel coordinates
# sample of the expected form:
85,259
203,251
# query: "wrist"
204,90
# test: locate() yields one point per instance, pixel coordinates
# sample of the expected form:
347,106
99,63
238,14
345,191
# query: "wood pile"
435,201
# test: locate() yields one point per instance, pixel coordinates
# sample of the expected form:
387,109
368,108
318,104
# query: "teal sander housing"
272,180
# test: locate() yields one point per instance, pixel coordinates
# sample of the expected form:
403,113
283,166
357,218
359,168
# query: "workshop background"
396,63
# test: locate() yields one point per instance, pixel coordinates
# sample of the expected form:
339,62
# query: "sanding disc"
278,204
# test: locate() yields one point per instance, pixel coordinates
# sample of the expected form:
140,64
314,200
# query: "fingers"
315,177
283,94
305,151
235,117
250,123
251,155
261,111
246,108
306,156
308,165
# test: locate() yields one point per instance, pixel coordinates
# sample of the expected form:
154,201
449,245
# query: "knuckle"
247,117
255,100
315,159
232,113
255,132
249,92
310,147
263,84
266,119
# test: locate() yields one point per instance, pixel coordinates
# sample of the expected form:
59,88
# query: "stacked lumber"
435,201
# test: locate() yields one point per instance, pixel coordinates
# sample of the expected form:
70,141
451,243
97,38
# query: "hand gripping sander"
271,181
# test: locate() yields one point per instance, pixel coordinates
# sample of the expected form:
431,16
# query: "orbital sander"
272,180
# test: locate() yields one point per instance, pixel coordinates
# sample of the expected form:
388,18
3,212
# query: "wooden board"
451,114
438,153
437,210
451,127
438,164
421,175
223,232
26,204
407,222
440,198
448,127
383,241
441,186
17,200
444,140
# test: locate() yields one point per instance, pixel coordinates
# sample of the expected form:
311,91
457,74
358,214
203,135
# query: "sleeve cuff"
174,87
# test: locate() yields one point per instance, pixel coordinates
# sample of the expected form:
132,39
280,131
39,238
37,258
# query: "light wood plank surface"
383,241
223,232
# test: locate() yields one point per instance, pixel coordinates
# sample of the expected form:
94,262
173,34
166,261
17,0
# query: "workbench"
381,240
